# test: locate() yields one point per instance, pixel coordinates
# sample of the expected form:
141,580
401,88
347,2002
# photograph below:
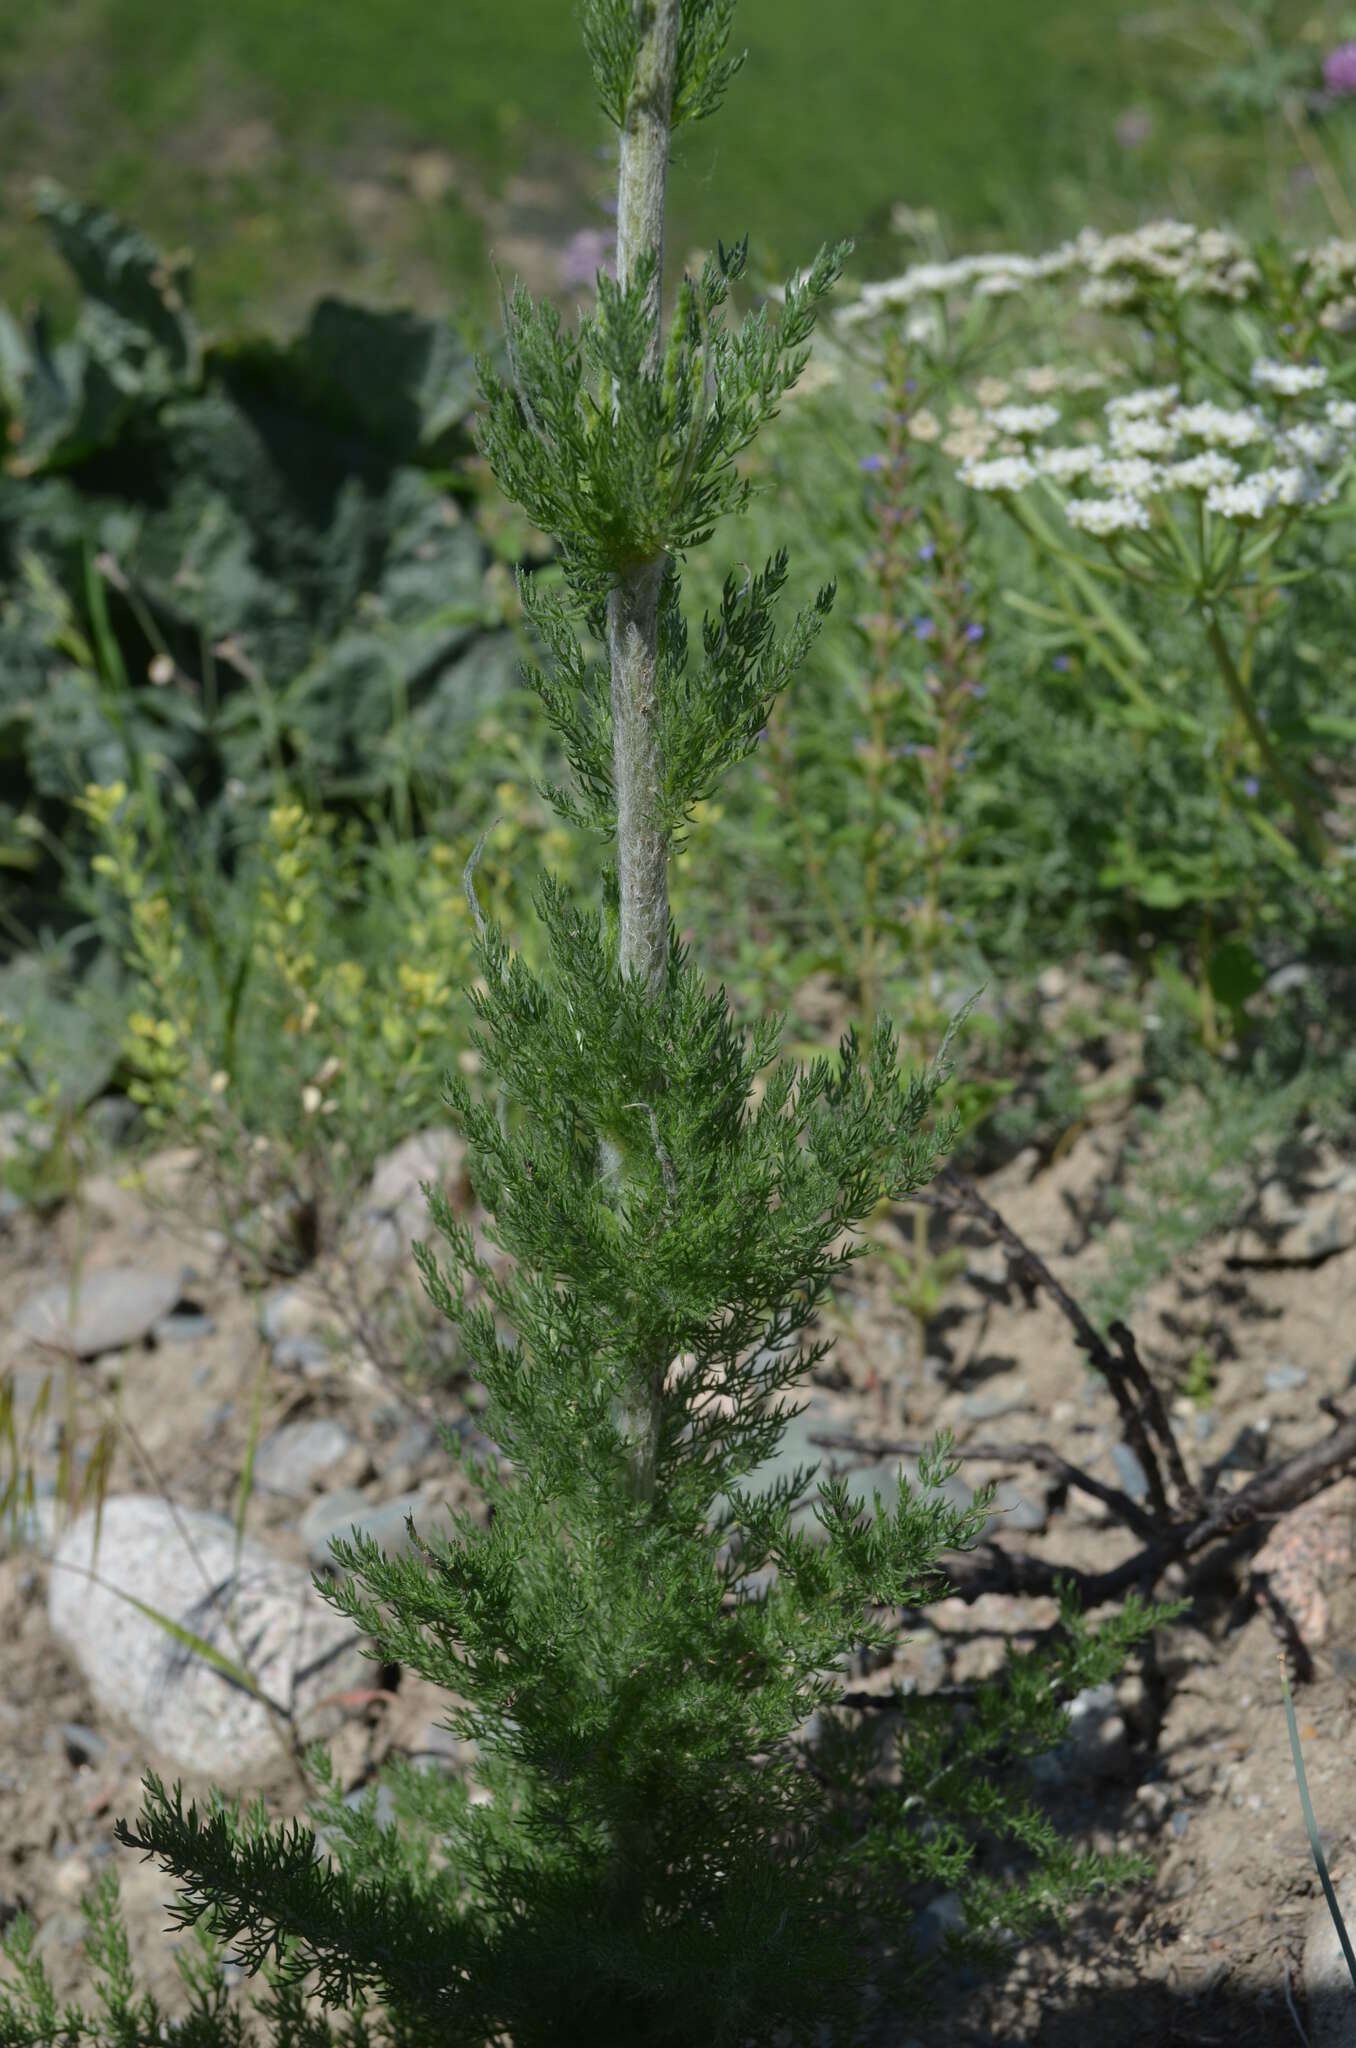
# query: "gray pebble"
385,1815
1018,1507
302,1354
82,1744
290,1460
334,1514
183,1326
59,1930
1129,1471
1282,1379
104,1311
983,1407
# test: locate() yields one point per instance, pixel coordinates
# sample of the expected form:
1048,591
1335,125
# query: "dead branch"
1170,1536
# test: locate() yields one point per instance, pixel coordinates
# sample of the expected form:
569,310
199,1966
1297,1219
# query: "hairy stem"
633,639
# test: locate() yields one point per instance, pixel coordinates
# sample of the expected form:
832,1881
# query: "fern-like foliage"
677,1836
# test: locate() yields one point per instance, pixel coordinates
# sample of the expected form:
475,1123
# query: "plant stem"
1310,829
633,641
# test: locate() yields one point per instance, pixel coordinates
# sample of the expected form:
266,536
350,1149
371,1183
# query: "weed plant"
685,1839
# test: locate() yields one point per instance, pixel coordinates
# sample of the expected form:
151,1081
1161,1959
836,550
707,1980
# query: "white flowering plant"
1182,460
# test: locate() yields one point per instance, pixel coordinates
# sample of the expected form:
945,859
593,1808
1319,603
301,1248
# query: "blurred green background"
384,150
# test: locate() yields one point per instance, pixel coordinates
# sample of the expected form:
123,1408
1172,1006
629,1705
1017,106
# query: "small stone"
310,1356
1277,1206
59,1930
286,1312
289,1461
415,1442
1180,1822
72,1878
1097,1744
1018,1507
1129,1471
944,1915
334,1514
82,1744
183,1326
1052,984
394,1211
988,1269
103,1311
1332,1229
985,1406
1283,1379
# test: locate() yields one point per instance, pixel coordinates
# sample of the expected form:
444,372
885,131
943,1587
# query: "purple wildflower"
923,629
1062,663
1251,786
974,632
1339,70
872,462
586,253
927,551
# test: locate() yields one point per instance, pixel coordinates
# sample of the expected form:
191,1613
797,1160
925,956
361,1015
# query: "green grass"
982,109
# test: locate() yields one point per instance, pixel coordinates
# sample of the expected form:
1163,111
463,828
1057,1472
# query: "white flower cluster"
1202,472
1022,421
1316,442
1145,404
1131,436
1256,495
1220,425
992,275
1130,476
1066,465
1003,473
1207,261
1118,270
1329,283
1150,451
1287,380
1106,516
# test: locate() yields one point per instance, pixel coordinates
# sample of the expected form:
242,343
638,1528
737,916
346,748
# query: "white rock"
1328,1988
394,1212
181,1705
103,1312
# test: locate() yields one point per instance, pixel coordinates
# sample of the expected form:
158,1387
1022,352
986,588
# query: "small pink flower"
1339,69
